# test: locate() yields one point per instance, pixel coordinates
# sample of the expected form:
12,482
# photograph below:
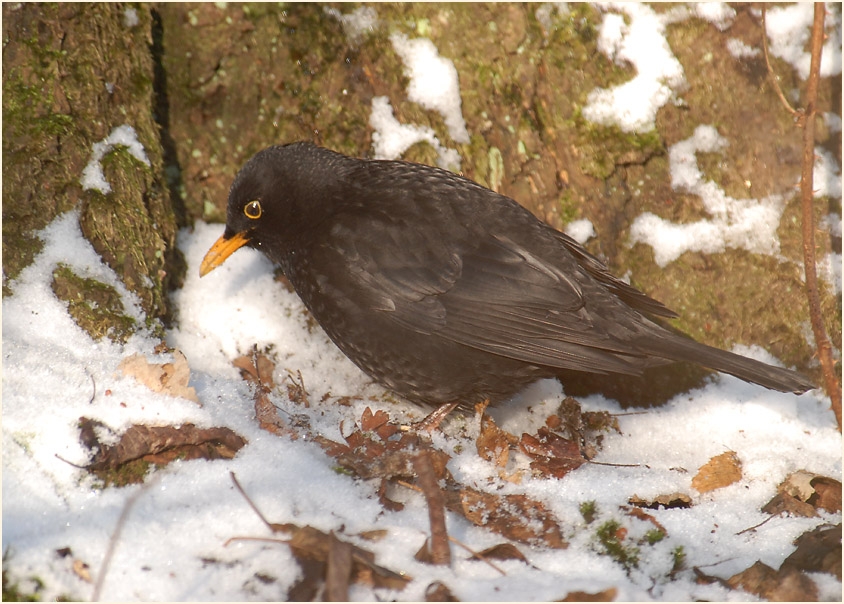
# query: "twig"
251,504
797,114
756,526
806,192
477,555
440,551
115,537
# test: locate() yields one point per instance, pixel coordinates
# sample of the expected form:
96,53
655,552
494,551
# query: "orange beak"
222,249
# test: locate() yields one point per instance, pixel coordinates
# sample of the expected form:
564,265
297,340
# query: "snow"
172,546
720,14
92,174
749,224
356,24
182,518
632,106
433,82
391,138
545,11
130,18
580,230
789,30
740,50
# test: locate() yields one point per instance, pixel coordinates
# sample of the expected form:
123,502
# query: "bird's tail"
679,348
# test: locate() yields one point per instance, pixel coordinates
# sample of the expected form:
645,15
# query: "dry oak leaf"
720,471
493,443
671,501
167,378
818,550
608,595
515,517
816,490
784,585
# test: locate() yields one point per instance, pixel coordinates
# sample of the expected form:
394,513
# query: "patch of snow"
789,30
392,138
434,83
749,224
632,106
580,230
123,136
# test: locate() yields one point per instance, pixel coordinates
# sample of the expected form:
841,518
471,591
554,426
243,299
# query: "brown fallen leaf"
608,595
257,369
827,494
167,378
802,493
785,585
515,517
439,592
783,502
154,444
818,550
671,501
82,570
720,471
502,551
638,513
339,570
493,443
309,543
553,456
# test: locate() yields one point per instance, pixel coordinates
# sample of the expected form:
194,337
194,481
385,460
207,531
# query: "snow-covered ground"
172,545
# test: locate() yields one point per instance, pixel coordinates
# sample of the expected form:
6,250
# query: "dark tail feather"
680,348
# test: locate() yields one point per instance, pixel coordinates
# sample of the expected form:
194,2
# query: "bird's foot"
433,420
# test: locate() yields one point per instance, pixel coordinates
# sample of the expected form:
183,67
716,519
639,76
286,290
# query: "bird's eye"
252,210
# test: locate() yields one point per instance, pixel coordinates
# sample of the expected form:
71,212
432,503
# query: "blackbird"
443,290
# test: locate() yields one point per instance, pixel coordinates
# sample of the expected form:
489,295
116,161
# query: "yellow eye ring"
252,210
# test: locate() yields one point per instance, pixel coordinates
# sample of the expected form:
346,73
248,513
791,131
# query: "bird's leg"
433,420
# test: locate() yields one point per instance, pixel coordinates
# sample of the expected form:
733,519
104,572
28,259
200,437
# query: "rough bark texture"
207,86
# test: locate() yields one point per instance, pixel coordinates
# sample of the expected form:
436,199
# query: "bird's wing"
488,292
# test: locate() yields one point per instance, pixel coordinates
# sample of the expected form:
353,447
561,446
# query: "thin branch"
786,104
807,197
440,551
115,537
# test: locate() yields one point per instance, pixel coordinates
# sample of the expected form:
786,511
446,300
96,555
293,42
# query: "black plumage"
443,290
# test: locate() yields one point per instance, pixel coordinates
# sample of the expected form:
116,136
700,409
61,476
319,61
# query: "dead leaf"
720,471
515,517
154,444
818,550
296,389
672,501
802,492
373,535
798,484
502,551
785,585
608,595
783,502
553,456
309,543
339,570
828,491
493,443
167,378
638,513
82,570
439,592
257,369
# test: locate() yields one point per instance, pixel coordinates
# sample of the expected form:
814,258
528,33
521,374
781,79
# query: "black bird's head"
275,198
